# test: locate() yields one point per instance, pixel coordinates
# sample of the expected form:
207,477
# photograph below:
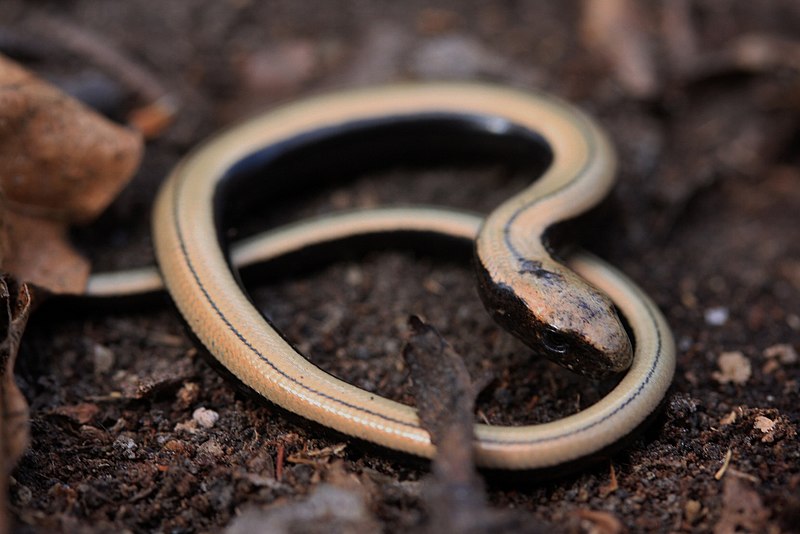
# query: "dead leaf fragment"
612,485
316,456
59,158
729,419
766,426
80,413
37,250
733,367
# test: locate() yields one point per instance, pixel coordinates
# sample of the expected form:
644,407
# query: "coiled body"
537,298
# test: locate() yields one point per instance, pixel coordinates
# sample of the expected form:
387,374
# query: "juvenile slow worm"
568,317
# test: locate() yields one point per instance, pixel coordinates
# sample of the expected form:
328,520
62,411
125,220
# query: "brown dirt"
705,219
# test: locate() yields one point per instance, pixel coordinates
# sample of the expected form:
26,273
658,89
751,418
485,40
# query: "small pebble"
188,394
717,316
205,418
23,495
354,276
280,68
126,446
452,57
692,510
783,352
102,358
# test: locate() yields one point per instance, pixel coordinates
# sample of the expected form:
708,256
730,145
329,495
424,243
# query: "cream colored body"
196,274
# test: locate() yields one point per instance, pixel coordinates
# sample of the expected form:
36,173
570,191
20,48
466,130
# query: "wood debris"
445,398
725,463
14,424
617,30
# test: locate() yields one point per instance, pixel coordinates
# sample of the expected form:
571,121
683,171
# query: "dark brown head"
559,315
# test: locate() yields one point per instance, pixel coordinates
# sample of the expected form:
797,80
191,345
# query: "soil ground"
705,219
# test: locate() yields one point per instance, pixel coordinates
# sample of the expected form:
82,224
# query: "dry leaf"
61,163
37,250
59,158
611,486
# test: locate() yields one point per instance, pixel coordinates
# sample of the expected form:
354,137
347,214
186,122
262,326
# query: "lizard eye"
555,341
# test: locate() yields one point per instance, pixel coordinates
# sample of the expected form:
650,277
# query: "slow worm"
565,311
